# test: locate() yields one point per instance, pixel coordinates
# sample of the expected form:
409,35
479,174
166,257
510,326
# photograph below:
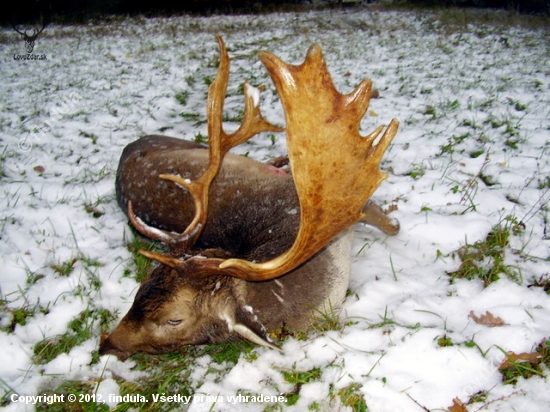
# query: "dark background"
71,11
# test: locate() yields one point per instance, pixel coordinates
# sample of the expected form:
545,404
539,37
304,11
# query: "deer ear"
247,326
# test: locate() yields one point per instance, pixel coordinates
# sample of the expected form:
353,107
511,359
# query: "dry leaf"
458,406
39,169
513,358
487,319
373,113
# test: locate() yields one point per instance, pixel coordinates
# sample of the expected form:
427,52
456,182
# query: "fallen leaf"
39,169
487,319
458,406
513,358
373,113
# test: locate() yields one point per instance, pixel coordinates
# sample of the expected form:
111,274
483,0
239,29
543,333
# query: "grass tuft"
328,319
526,366
182,97
80,330
64,268
141,264
352,397
19,316
298,379
485,259
81,390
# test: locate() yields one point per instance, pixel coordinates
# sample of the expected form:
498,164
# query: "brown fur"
254,214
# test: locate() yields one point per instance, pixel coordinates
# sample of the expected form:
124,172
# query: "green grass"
478,397
182,97
90,136
93,207
171,372
349,396
200,138
141,266
81,391
444,341
485,259
165,374
86,325
230,352
64,268
515,368
298,379
197,118
20,315
329,319
352,397
418,170
3,157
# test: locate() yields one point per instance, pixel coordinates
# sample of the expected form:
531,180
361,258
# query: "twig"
502,398
415,401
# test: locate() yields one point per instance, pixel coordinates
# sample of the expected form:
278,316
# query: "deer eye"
174,322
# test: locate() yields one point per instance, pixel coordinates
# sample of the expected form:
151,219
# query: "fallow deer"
252,248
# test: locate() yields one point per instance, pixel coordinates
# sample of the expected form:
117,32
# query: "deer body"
254,214
252,205
251,248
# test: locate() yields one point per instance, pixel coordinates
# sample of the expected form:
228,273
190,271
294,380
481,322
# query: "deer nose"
107,347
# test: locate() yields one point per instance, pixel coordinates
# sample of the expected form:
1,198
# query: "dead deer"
251,248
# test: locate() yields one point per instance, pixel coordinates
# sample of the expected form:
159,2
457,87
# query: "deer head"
30,39
204,296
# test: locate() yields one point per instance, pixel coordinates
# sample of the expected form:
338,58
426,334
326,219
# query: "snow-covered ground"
472,153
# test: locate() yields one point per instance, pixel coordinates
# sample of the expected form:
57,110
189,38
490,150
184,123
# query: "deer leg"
375,216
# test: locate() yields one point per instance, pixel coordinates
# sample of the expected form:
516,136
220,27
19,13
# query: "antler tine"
34,35
171,239
17,30
219,144
334,168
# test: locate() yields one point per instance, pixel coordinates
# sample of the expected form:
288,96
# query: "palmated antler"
335,169
219,144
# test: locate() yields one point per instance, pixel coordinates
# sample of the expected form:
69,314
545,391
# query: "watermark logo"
29,43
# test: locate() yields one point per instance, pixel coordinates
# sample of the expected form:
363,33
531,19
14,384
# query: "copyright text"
138,398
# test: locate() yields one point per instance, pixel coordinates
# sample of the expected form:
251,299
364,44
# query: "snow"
65,120
253,93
